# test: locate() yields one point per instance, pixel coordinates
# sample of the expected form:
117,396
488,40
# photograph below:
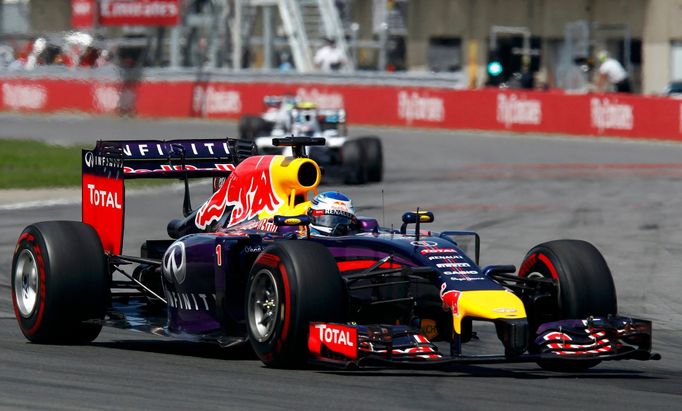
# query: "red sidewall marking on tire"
269,260
527,264
24,237
41,307
16,307
287,305
549,265
41,270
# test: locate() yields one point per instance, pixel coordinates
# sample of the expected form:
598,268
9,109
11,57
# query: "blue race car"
269,261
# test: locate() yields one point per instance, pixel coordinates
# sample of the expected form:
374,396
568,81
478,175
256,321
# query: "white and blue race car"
353,161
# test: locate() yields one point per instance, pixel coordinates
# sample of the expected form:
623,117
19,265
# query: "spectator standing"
104,59
285,62
613,73
329,57
6,56
89,58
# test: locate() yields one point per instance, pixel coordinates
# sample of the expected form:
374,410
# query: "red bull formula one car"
245,267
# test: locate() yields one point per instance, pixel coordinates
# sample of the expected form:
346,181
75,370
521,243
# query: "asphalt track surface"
515,190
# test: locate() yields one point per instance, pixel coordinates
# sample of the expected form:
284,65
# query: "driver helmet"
305,122
332,213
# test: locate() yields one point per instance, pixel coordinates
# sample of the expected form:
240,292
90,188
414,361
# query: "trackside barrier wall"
400,103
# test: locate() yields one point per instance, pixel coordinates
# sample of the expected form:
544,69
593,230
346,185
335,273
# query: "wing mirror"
416,217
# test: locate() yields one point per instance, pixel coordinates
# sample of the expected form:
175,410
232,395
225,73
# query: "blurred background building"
503,43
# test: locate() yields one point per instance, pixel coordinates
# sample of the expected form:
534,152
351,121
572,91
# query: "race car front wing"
609,338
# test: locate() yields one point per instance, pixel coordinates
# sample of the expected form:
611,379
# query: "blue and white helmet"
332,213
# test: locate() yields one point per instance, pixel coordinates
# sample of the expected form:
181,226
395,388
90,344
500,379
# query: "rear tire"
374,158
292,283
585,287
250,127
354,162
59,280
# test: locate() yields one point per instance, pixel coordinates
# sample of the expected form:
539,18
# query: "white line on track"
39,204
76,200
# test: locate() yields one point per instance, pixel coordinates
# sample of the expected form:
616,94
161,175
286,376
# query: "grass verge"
35,164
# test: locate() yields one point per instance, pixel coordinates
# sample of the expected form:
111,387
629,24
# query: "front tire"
354,162
292,283
59,281
374,158
585,287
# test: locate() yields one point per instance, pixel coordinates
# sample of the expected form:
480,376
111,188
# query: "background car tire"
374,158
251,127
353,162
71,281
308,288
585,286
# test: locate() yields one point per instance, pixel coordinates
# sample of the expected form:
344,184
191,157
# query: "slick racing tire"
251,127
354,162
585,287
59,281
374,158
292,283
248,127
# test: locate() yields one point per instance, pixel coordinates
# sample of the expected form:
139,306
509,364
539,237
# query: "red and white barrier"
488,109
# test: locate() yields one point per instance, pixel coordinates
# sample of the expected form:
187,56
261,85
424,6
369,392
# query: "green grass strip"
35,164
32,164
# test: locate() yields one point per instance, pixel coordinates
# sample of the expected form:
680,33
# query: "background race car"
354,161
246,267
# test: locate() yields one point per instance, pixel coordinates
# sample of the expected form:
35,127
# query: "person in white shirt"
329,57
612,72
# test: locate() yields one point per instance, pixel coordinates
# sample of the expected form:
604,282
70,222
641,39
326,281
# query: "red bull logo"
450,299
249,190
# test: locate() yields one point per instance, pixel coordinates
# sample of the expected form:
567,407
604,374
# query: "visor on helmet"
337,223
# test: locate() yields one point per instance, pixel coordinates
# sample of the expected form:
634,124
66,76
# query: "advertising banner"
83,14
139,12
616,115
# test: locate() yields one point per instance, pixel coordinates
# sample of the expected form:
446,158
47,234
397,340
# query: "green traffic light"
494,68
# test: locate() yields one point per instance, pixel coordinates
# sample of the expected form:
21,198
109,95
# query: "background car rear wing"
275,101
110,163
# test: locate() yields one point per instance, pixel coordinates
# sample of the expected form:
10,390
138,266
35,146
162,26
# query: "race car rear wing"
176,158
110,163
274,101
